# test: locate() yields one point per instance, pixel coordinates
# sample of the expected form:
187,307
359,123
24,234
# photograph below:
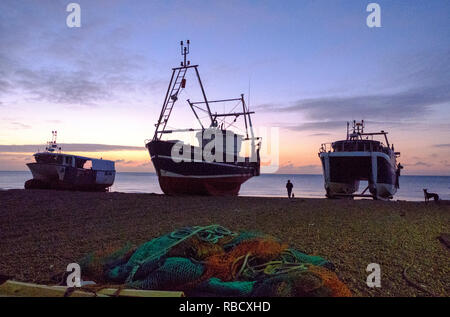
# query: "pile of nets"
214,261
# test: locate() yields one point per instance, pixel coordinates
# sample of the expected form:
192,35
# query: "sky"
306,67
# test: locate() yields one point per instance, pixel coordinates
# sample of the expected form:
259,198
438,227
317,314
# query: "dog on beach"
430,195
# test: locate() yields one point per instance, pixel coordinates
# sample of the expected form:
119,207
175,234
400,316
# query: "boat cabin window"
357,145
88,165
69,160
79,162
49,159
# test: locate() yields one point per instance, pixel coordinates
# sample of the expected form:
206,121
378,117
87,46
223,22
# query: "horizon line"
413,175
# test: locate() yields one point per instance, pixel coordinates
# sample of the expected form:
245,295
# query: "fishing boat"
213,166
360,158
53,169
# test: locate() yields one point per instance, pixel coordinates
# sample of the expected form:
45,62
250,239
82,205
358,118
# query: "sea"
269,185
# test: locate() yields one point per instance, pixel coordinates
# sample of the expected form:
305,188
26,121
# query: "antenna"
51,145
248,96
185,52
54,135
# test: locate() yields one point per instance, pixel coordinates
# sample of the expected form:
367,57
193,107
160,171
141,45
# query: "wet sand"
42,231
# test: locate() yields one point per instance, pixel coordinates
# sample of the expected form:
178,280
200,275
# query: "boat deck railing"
326,147
332,147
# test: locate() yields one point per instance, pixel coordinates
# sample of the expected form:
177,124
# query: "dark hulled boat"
214,166
360,158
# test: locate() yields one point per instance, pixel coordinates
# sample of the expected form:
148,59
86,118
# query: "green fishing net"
214,261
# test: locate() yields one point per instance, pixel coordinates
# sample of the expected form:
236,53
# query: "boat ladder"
171,98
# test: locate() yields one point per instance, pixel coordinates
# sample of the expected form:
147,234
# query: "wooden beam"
20,289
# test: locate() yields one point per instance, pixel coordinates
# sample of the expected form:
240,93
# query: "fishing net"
173,274
214,261
96,263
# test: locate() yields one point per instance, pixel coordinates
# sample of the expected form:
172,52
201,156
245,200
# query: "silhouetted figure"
289,187
397,174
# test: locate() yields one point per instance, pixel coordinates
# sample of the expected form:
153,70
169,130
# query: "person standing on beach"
289,187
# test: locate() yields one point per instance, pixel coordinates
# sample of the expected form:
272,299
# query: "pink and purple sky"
310,67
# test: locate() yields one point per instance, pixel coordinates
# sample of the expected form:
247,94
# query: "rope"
268,268
243,266
415,284
214,233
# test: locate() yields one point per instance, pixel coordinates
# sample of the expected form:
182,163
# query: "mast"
176,84
52,146
358,132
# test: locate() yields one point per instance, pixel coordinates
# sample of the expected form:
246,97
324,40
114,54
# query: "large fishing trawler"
56,170
360,158
214,166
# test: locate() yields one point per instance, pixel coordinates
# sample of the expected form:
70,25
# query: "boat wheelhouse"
360,158
55,170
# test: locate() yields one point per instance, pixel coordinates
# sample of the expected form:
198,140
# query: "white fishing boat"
360,158
53,169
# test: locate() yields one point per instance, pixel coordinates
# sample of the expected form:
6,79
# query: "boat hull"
57,176
198,177
214,186
344,170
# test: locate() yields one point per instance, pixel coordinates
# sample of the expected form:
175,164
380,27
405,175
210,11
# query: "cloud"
81,87
15,157
445,163
61,86
76,84
54,121
42,60
442,145
74,147
4,86
121,161
322,125
409,104
20,125
319,134
299,169
420,163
